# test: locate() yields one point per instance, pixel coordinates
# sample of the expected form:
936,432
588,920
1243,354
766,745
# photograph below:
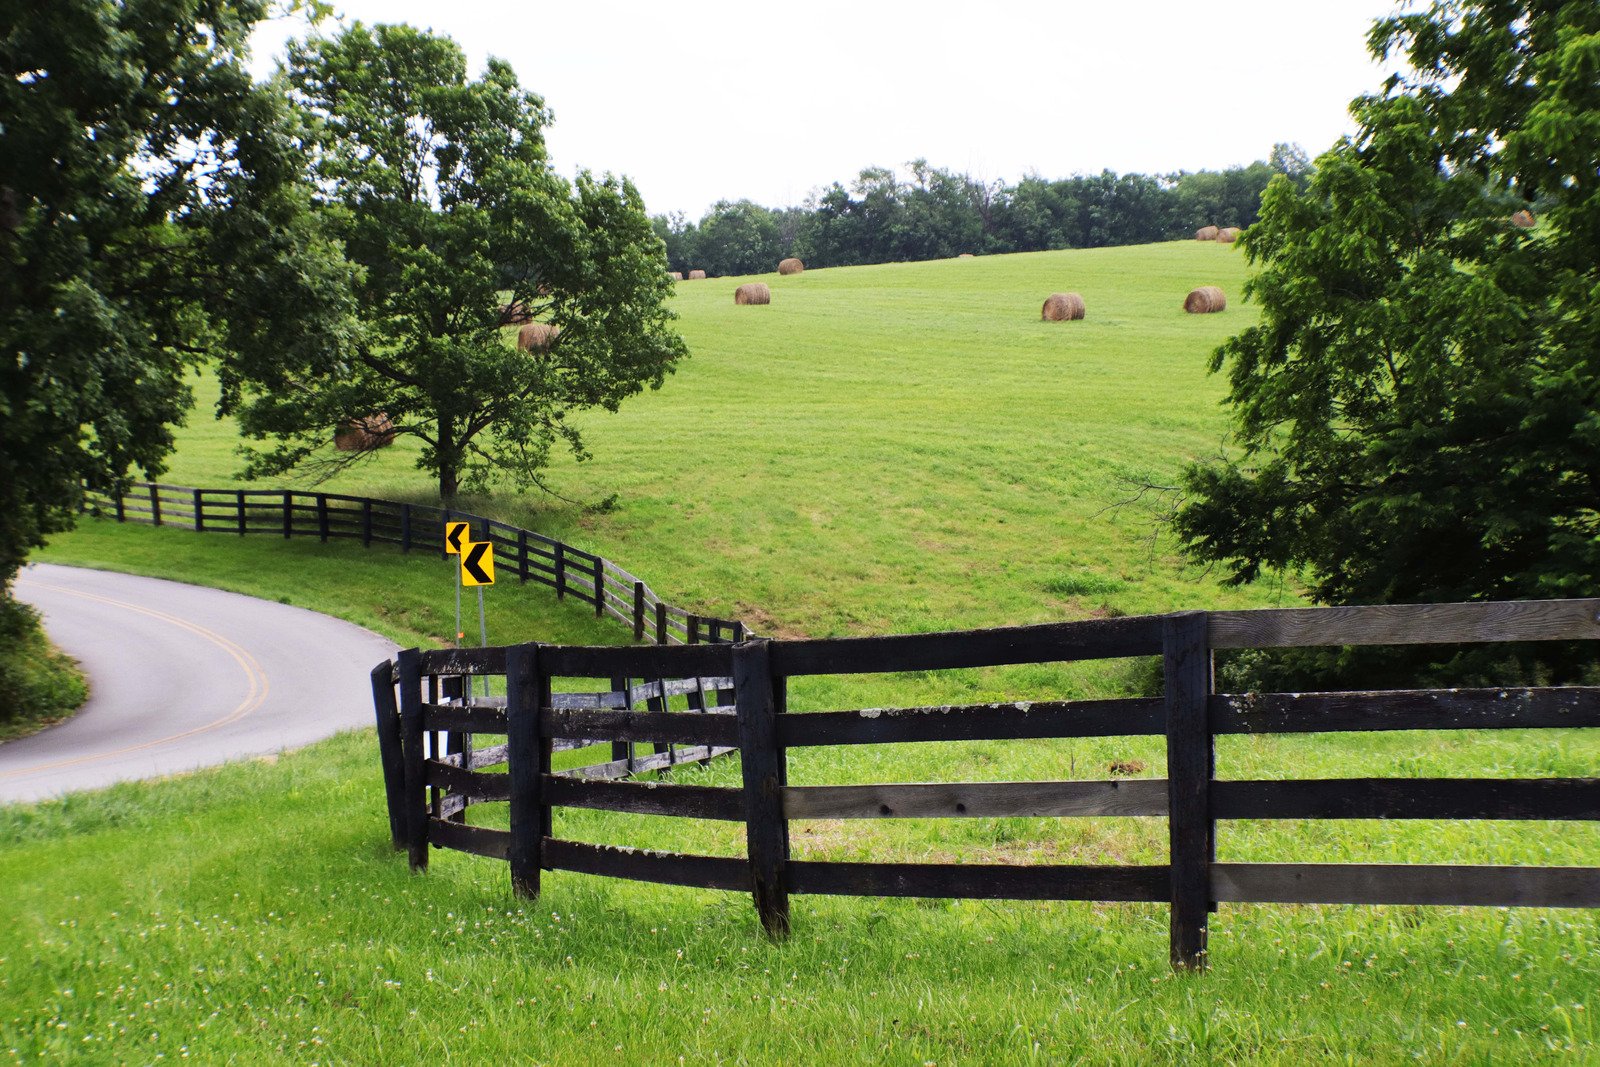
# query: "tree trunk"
449,461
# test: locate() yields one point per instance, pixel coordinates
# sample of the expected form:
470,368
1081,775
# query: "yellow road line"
254,675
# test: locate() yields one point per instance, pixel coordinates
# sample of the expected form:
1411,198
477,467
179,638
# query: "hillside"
895,447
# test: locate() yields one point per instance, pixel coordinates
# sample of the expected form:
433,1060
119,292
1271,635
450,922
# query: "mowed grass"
895,448
883,448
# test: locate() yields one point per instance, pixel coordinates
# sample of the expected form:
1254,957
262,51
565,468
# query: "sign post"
477,569
455,535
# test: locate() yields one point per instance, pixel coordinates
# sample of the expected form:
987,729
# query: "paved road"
182,677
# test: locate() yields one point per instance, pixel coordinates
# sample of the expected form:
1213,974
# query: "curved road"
182,677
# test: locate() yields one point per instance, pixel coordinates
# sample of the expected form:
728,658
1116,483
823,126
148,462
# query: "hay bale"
364,433
675,275
515,313
1206,233
791,266
1062,307
538,337
1206,300
696,275
752,293
1228,234
1523,219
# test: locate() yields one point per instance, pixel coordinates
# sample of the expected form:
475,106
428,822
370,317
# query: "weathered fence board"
645,865
1425,709
974,722
980,881
478,840
1401,798
1408,624
1406,883
1047,643
980,800
645,798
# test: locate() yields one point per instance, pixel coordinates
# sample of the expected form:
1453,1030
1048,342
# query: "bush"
38,684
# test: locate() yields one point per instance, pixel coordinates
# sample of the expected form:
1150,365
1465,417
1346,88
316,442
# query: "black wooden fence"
429,790
523,554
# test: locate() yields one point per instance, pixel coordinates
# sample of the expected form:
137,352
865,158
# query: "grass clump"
39,685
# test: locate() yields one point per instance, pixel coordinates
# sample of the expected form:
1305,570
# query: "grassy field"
883,448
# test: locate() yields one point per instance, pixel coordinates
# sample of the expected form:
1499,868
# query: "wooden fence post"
694,630
405,527
444,520
661,622
239,501
288,514
390,754
758,700
1190,761
561,570
322,516
599,587
522,555
199,513
416,789
528,756
155,505
623,749
366,522
121,507
638,611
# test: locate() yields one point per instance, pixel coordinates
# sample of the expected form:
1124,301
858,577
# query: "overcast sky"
699,102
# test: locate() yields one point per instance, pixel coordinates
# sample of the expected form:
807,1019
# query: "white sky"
698,102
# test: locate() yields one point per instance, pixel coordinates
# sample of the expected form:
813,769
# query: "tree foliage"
937,213
440,188
150,202
1416,411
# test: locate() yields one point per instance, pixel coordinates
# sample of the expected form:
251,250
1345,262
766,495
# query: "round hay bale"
364,433
1228,234
515,313
752,293
538,337
696,275
966,255
1062,307
1206,233
1523,219
791,266
675,275
1206,300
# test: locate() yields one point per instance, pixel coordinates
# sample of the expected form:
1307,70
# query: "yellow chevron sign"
477,563
456,534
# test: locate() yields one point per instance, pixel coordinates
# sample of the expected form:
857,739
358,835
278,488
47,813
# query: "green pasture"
889,448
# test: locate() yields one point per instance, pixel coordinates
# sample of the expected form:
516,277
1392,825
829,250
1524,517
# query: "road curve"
181,677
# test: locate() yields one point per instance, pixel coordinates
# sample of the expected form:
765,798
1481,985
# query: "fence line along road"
733,695
528,555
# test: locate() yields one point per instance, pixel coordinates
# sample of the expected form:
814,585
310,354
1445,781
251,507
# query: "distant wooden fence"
429,790
521,553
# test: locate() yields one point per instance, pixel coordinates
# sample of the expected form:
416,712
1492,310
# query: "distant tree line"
938,213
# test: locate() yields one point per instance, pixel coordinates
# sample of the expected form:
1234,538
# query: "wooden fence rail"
734,695
528,556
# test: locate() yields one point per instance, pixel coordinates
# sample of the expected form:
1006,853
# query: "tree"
441,190
150,204
1416,411
738,238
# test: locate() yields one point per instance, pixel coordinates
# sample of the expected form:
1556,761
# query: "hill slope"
896,447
